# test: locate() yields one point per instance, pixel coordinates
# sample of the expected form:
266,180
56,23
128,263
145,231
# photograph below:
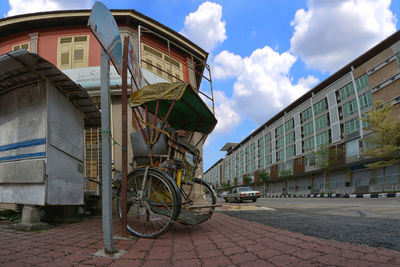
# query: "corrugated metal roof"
21,68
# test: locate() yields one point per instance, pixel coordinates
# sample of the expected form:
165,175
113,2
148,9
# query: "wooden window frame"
72,51
20,44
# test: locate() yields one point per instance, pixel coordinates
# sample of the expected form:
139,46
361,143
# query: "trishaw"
162,189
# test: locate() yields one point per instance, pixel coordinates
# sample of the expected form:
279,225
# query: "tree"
247,179
226,186
326,157
263,175
384,139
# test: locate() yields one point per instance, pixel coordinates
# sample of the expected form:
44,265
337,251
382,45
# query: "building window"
280,143
351,126
349,108
346,91
362,82
267,160
281,155
268,148
267,137
21,46
260,147
289,138
309,144
365,100
290,151
322,139
161,64
321,122
307,114
279,130
319,107
72,52
289,125
308,129
261,163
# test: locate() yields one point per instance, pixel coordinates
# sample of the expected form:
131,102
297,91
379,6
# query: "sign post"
106,153
124,104
103,26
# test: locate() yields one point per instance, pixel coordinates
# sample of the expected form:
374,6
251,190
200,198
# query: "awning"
189,113
20,68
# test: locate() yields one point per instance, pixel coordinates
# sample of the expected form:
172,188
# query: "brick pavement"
221,241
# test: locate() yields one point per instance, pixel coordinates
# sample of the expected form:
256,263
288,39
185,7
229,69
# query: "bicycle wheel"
199,194
152,203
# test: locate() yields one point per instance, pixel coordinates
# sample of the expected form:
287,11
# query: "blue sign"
104,27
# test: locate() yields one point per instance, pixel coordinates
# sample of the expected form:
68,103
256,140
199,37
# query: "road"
373,222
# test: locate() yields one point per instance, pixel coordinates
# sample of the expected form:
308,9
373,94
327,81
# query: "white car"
242,193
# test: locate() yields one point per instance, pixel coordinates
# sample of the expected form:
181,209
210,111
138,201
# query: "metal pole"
124,134
106,153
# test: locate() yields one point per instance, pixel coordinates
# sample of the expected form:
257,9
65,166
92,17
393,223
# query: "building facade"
327,116
64,39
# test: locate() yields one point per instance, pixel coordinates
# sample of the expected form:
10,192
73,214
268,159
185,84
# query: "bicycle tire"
160,205
209,199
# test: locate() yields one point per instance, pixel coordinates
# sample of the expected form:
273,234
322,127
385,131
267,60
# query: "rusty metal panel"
299,165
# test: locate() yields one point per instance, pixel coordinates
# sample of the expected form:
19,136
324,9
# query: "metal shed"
42,118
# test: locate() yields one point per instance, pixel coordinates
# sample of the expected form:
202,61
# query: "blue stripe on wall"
28,143
24,156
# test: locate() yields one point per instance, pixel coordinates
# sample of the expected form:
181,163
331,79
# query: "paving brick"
242,258
225,245
221,241
376,258
258,247
134,254
209,253
158,253
328,259
158,263
256,263
184,255
267,253
284,260
143,244
33,260
233,250
125,263
306,254
216,261
288,250
187,263
98,261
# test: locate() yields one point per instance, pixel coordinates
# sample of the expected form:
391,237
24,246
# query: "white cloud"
262,88
227,64
225,112
31,6
205,26
332,33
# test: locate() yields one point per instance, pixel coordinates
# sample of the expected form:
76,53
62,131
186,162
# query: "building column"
34,42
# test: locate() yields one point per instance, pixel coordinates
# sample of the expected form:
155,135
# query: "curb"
334,195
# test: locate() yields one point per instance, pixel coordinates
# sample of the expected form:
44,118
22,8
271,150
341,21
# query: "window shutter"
65,56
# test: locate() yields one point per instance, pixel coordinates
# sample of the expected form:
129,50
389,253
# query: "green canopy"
189,113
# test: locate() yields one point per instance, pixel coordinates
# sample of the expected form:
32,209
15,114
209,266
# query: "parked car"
222,194
242,193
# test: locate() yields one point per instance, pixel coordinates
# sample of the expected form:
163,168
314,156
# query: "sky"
264,54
